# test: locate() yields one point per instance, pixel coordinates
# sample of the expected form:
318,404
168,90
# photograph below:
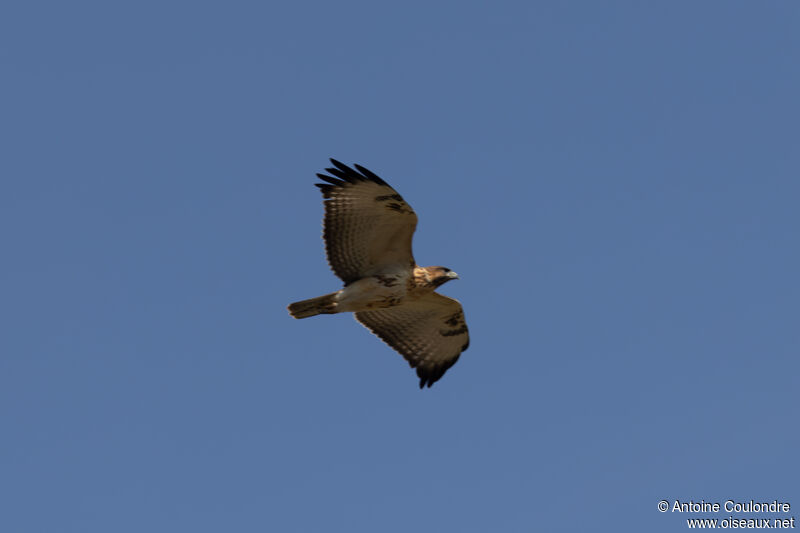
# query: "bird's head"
440,275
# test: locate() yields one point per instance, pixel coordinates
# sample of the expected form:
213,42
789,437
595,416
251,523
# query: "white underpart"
368,293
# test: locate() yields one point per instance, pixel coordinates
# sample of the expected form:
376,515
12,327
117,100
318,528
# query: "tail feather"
314,306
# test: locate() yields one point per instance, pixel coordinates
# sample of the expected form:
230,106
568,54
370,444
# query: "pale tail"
314,306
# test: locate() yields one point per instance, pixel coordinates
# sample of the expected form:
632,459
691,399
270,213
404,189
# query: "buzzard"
368,229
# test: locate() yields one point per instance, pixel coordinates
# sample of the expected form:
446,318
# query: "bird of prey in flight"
368,229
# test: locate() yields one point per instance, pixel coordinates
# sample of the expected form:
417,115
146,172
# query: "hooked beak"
452,275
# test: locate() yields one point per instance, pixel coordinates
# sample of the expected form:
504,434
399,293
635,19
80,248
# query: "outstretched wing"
430,333
368,226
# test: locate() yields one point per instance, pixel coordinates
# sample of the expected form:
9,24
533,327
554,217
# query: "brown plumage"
368,230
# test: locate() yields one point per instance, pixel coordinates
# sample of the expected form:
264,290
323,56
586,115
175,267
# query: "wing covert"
430,333
368,226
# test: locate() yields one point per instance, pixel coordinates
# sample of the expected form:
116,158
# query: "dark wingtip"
332,181
349,175
426,382
371,175
339,164
427,378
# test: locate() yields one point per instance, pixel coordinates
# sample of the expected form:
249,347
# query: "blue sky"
617,184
